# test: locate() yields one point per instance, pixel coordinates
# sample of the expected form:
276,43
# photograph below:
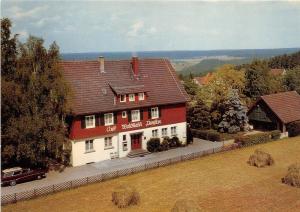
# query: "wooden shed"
275,111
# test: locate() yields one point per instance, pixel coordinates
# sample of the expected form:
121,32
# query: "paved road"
72,173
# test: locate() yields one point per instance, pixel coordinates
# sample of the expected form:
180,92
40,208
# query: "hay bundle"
260,159
293,176
125,196
185,206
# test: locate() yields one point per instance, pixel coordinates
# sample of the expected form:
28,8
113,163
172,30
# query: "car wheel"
39,177
13,183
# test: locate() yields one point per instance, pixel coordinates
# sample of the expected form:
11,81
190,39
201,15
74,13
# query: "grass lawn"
220,182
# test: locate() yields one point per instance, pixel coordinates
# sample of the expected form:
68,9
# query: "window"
154,133
164,131
90,121
123,98
108,143
125,146
131,97
135,115
173,131
124,114
108,119
89,146
154,113
124,137
141,96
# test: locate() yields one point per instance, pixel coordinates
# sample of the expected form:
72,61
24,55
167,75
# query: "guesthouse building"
275,111
118,105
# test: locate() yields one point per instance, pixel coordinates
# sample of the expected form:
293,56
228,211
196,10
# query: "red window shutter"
129,116
141,114
83,122
149,113
97,121
115,117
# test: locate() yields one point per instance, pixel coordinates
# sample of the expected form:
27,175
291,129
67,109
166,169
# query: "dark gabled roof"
94,91
286,105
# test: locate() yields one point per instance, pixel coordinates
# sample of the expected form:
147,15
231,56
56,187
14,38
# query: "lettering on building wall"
111,128
153,122
132,125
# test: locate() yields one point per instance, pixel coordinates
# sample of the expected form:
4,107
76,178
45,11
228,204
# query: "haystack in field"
293,176
125,196
185,206
260,159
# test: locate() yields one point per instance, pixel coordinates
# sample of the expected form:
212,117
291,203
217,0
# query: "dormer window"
90,121
141,96
131,97
123,98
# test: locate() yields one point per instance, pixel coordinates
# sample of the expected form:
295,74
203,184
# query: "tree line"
220,104
35,102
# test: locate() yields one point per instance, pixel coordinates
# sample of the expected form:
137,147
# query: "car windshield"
17,172
8,174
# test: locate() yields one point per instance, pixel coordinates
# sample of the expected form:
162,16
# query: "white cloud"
44,21
23,34
152,30
19,13
135,28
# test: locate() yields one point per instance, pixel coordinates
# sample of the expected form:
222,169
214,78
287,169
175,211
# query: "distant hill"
177,55
211,64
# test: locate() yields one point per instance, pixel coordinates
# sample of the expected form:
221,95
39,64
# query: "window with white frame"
154,112
155,133
123,98
141,96
108,119
164,131
89,145
90,121
108,143
173,131
131,97
124,114
135,115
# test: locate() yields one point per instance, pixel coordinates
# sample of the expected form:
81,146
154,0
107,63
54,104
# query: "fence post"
71,184
87,180
53,190
15,197
34,192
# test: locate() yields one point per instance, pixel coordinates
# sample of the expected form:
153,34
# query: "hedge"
210,135
253,139
153,145
294,129
275,134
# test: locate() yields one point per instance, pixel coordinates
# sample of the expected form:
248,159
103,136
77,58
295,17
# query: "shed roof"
285,105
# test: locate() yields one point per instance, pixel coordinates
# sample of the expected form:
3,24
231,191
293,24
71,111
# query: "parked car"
16,175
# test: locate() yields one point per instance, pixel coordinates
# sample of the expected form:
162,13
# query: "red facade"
169,114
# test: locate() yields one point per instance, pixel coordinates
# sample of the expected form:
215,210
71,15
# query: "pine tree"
199,116
235,118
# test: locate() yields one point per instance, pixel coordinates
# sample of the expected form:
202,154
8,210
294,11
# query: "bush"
258,138
125,196
174,142
275,134
164,146
211,135
260,159
293,176
153,145
294,128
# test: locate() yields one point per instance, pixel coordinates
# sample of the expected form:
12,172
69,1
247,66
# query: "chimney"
135,65
101,62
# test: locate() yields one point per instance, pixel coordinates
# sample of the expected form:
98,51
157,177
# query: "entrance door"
136,141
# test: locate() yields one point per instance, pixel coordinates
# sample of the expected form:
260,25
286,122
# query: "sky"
101,26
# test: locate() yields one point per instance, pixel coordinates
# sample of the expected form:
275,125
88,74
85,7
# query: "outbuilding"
275,111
